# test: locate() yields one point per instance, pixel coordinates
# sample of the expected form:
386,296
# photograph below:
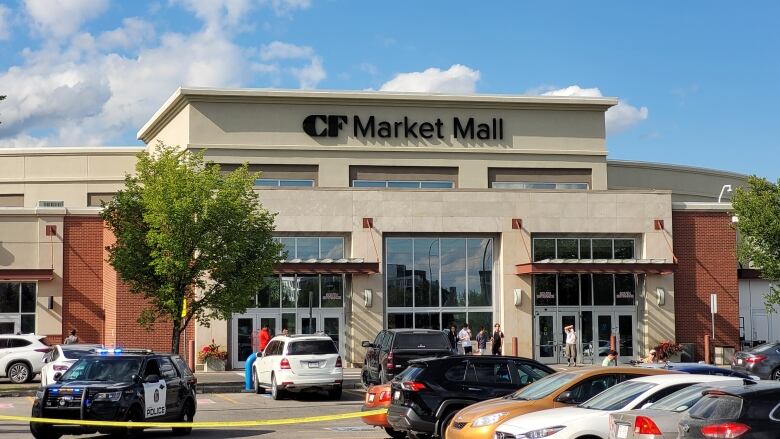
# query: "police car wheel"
19,373
276,392
186,416
133,415
43,431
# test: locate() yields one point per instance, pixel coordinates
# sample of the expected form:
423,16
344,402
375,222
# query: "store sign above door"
323,125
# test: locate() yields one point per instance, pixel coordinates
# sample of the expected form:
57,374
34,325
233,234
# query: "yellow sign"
184,308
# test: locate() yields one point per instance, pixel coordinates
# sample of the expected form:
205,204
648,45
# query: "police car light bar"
103,351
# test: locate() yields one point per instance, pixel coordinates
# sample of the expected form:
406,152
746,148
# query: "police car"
117,385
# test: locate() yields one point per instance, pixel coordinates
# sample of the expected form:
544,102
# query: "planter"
214,365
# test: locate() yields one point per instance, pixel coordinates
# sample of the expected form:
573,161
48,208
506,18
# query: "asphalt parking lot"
240,407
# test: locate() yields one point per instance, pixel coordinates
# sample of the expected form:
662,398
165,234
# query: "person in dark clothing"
497,340
482,339
452,336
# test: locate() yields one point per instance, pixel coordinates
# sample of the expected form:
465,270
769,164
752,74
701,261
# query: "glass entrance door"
603,328
246,328
623,326
566,318
545,350
329,322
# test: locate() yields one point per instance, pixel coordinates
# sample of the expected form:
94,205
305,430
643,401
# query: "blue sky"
698,81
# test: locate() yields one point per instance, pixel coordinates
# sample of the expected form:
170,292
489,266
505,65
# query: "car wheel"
258,388
43,431
335,393
445,422
276,392
133,415
365,378
395,434
19,373
776,374
187,415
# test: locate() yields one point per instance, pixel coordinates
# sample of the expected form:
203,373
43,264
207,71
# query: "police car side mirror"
565,398
135,378
152,378
57,376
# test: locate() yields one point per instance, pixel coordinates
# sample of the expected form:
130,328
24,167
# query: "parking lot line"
226,398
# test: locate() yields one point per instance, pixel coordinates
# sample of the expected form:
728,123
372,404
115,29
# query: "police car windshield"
110,369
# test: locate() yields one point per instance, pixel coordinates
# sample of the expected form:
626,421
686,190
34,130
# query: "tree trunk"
176,336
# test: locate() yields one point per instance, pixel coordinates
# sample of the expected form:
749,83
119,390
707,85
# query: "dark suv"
429,392
116,385
392,350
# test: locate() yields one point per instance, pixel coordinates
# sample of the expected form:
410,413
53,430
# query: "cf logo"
332,125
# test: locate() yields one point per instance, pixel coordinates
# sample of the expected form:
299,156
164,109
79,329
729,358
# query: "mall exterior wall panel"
83,306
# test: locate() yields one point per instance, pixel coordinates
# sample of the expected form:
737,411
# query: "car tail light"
645,425
384,396
338,361
43,350
390,361
412,386
727,430
284,364
755,359
60,367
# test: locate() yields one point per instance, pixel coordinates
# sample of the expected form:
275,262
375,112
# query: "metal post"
514,346
707,349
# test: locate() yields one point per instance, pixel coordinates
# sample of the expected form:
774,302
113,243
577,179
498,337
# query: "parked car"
298,363
379,397
21,356
762,361
701,369
117,385
428,394
393,349
747,411
562,389
591,418
61,357
659,421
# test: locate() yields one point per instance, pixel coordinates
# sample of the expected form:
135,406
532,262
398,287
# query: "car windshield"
764,347
617,397
111,369
420,341
680,400
312,347
543,387
717,408
410,373
75,354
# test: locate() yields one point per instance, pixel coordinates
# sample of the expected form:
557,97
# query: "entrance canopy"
26,274
605,266
326,266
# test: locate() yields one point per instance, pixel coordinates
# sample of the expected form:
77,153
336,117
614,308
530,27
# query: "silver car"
660,420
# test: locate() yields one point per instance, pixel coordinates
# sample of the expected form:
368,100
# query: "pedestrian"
72,338
482,339
453,338
285,332
652,357
571,346
263,337
497,340
465,339
611,359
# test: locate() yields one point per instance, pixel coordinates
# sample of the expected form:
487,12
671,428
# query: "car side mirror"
367,344
57,376
152,378
566,398
135,379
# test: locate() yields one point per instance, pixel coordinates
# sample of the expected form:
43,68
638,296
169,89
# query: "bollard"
514,346
248,384
613,342
191,354
707,349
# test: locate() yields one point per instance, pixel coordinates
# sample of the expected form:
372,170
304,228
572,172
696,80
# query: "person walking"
497,340
571,346
453,338
263,337
482,339
611,359
464,336
72,338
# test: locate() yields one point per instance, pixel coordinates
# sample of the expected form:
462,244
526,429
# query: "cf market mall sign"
324,125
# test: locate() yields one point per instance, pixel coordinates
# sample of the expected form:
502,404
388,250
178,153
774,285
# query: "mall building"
398,211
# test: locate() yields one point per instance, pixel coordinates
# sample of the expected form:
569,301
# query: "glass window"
544,289
399,272
624,249
567,249
426,272
478,320
398,320
528,373
331,248
449,319
544,249
625,289
603,289
436,184
289,291
288,252
602,248
480,271
456,373
296,183
269,294
332,291
307,248
28,297
453,272
586,296
288,322
308,289
491,372
368,183
618,396
584,248
568,290
28,324
9,297
544,386
421,341
312,347
167,369
404,184
586,333
427,320
592,387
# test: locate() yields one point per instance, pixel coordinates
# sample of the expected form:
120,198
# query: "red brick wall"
705,246
82,290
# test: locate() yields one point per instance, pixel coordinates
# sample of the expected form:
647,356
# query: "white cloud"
61,18
619,118
5,27
285,7
280,50
134,32
457,79
310,75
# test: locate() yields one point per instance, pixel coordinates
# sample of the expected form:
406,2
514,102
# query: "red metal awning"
18,274
326,266
596,267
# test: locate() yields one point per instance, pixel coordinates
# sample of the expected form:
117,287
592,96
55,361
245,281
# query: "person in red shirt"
263,337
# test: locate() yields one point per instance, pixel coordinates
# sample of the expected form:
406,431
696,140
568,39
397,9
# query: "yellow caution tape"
232,424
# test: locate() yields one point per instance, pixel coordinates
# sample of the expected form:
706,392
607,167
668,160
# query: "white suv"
299,362
21,356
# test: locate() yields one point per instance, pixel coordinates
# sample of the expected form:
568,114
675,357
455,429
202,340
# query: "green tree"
184,230
757,207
